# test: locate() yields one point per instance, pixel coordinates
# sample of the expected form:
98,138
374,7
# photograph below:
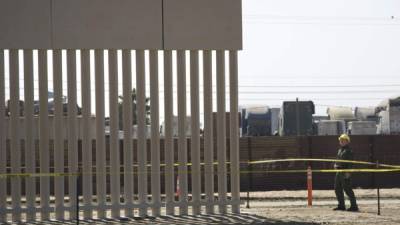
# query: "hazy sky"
351,46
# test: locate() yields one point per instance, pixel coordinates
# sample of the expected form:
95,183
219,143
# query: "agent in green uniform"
343,180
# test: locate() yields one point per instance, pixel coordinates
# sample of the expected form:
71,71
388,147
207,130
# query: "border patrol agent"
343,180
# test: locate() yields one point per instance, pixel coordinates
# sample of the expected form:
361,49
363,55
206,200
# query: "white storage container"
362,128
331,127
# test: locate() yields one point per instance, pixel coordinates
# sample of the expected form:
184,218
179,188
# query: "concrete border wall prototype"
76,46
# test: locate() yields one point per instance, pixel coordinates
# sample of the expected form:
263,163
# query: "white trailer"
331,127
362,128
389,116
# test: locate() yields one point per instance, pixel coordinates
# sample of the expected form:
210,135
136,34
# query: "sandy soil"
286,208
290,207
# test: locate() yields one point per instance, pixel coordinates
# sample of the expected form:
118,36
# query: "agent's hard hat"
344,137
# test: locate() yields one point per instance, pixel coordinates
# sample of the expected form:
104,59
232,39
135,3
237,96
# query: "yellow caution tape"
37,175
393,168
325,171
12,175
322,160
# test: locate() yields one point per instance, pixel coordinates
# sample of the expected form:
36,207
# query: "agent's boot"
353,209
340,208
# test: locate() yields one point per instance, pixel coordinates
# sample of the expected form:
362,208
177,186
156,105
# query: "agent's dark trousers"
344,184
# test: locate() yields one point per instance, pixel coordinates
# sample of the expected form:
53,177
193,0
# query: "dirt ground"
286,208
290,207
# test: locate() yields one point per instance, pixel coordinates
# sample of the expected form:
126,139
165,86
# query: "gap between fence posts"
78,185
377,191
372,159
309,172
309,186
250,174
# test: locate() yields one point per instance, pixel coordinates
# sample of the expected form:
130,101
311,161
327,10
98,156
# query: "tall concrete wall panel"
205,24
102,24
25,24
121,24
